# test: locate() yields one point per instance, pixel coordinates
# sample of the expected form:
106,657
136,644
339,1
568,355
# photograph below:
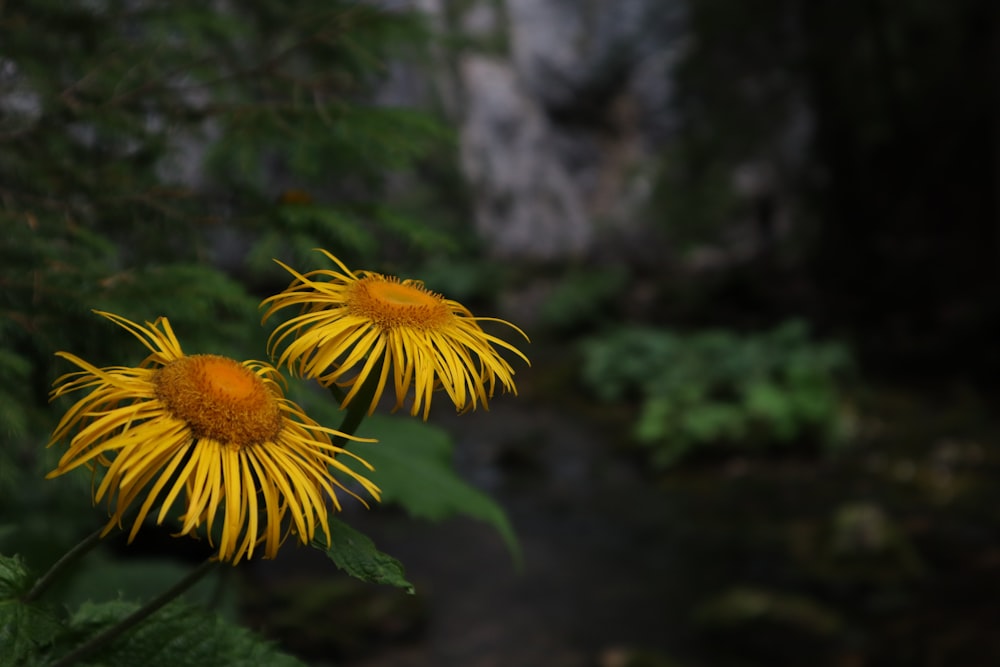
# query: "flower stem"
94,644
356,412
357,409
68,558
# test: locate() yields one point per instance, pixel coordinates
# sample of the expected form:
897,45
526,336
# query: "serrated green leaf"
414,467
176,636
355,554
95,616
14,576
23,627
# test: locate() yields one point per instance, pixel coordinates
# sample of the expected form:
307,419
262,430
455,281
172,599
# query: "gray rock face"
559,121
527,202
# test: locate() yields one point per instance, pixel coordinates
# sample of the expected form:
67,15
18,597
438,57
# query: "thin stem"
357,410
337,392
356,413
98,642
57,568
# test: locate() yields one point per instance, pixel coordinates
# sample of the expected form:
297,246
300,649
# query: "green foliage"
178,635
14,373
355,554
143,145
717,387
24,631
307,225
414,467
582,297
14,577
465,279
24,628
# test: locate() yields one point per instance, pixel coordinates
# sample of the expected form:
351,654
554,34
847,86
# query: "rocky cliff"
562,106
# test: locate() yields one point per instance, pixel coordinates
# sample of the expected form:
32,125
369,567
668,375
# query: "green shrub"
720,388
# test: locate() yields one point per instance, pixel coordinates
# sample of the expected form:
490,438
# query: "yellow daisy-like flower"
356,324
215,430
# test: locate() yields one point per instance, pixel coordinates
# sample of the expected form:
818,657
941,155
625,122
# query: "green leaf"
414,467
23,627
355,554
177,635
14,576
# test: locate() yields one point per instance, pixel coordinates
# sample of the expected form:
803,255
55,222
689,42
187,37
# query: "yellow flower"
359,325
211,429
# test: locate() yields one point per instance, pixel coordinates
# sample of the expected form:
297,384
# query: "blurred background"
755,246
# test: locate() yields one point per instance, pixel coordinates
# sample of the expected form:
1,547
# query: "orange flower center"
390,303
219,398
